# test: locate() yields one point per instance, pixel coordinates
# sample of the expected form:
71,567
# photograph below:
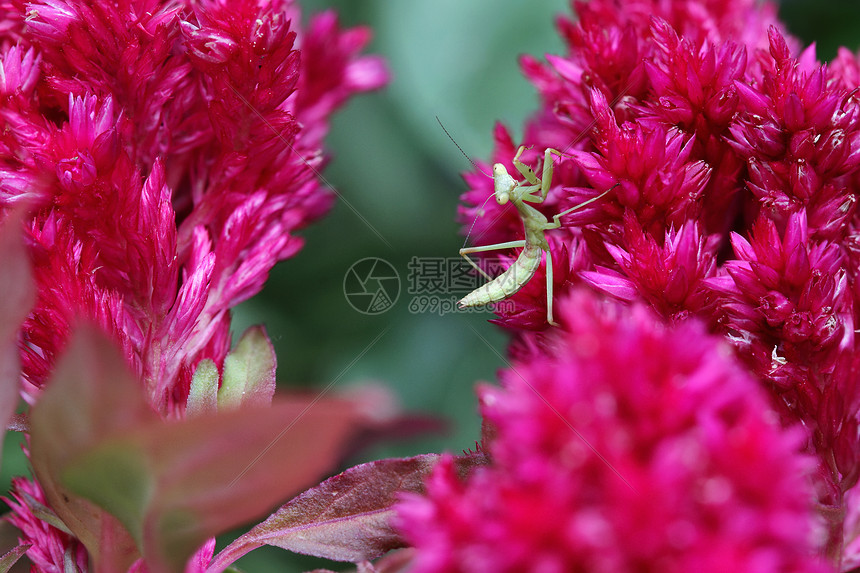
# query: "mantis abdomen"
509,282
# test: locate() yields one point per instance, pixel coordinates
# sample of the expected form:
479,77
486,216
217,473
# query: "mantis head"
504,183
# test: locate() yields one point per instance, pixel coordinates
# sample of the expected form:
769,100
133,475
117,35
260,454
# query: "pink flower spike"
612,283
732,155
615,411
19,71
51,18
51,544
169,153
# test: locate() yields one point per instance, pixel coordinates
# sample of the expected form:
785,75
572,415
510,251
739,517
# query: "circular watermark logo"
371,286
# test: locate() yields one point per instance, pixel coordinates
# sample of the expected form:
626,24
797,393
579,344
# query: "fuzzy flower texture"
626,446
731,156
167,151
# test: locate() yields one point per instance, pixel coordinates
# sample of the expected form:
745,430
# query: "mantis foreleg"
544,183
525,170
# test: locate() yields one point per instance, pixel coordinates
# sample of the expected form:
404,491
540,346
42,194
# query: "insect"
533,190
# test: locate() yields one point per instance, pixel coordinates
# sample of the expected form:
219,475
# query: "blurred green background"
390,159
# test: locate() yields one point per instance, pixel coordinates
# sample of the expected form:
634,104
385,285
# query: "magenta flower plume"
731,160
787,295
797,132
669,276
623,446
51,546
167,152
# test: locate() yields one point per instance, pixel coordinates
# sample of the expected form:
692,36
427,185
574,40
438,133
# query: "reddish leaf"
395,562
10,558
17,296
16,281
175,484
91,395
347,517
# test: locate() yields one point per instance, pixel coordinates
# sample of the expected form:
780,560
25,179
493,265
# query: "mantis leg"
484,248
524,169
556,223
549,290
546,181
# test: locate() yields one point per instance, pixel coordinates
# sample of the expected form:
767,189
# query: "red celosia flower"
788,297
736,161
168,152
623,429
669,276
797,132
51,546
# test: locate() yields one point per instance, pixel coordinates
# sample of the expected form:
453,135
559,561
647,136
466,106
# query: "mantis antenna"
454,141
475,165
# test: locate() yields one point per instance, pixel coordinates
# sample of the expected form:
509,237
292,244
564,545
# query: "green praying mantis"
532,190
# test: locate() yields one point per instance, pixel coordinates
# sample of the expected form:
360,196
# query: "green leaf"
249,372
203,395
115,477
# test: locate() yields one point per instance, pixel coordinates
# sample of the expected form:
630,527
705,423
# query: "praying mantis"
533,190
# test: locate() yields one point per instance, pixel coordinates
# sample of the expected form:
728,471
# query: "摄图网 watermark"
372,285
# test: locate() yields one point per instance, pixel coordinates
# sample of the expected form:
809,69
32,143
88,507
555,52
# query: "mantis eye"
502,198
